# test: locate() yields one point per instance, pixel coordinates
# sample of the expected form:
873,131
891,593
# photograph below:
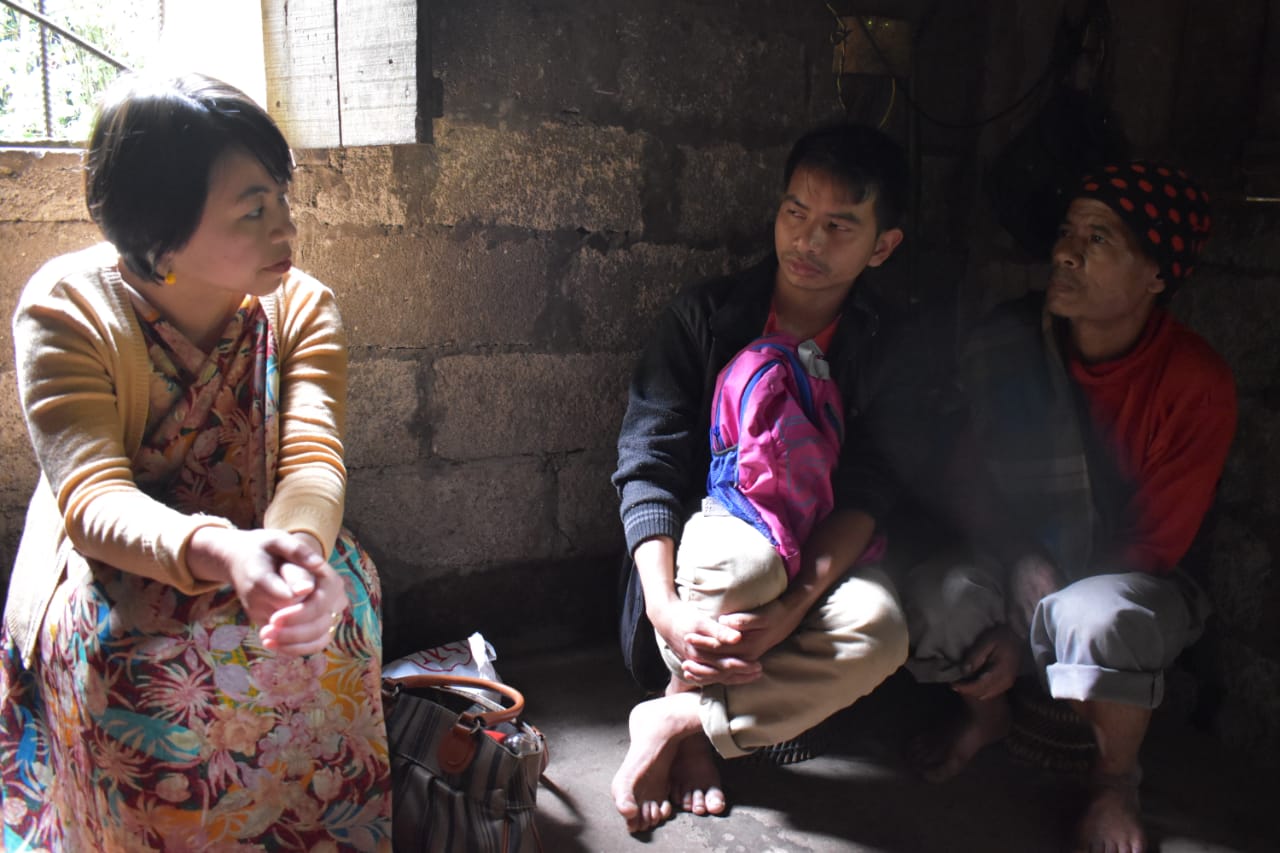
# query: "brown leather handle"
485,719
458,746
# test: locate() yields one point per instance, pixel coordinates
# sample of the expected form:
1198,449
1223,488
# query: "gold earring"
170,278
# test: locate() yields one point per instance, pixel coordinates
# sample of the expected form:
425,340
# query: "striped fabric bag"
464,767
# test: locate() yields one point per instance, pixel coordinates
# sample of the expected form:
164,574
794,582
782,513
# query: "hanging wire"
893,97
1057,62
839,39
1054,64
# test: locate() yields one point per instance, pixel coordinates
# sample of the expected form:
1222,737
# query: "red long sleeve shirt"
1167,409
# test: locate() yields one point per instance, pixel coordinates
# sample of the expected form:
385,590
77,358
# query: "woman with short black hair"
191,642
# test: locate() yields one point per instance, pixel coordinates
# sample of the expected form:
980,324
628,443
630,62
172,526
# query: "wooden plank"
302,70
377,71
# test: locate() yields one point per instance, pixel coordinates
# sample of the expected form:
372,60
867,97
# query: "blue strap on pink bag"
776,430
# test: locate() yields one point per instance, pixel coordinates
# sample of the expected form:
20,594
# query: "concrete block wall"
488,375
503,279
42,215
1210,125
1232,301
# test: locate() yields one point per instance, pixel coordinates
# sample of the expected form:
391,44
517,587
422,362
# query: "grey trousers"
851,640
1106,638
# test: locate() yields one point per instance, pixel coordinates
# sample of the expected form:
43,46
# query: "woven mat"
811,744
1048,733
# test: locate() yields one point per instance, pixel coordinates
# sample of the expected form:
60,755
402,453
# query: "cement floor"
860,796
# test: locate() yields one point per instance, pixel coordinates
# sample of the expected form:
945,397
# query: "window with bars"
56,56
331,72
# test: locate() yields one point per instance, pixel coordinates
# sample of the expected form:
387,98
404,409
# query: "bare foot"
1113,821
640,787
942,754
695,779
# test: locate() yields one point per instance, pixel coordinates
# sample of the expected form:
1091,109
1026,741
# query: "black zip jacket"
888,379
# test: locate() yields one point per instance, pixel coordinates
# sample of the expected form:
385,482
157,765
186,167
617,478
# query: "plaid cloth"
1026,418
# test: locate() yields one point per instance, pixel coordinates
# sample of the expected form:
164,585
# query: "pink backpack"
776,430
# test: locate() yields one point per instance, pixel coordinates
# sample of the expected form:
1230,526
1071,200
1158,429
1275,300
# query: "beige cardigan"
83,371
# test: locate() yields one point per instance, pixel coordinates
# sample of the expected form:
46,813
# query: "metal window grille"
58,55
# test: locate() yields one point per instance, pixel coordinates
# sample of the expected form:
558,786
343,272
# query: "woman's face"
242,243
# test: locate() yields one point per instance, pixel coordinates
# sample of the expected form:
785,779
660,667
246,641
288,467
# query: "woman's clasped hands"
284,582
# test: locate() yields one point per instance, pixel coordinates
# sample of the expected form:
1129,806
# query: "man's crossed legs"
1102,643
845,646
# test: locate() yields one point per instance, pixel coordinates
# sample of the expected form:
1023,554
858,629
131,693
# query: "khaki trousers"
1106,638
847,644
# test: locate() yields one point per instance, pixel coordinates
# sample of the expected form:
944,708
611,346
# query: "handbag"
464,767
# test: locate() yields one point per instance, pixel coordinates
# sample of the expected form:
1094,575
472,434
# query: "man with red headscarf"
1097,429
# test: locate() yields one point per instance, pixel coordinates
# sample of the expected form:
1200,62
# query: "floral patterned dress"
153,720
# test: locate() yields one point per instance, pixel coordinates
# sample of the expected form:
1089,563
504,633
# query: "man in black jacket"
751,679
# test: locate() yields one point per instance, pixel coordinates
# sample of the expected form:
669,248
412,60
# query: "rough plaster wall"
42,215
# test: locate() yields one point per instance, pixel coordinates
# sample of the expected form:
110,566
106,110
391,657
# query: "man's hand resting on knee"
833,547
991,665
696,638
708,648
758,631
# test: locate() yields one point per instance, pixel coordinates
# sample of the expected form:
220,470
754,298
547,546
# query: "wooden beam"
302,71
377,71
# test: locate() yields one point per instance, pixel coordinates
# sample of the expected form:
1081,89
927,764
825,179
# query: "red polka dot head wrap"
1167,213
